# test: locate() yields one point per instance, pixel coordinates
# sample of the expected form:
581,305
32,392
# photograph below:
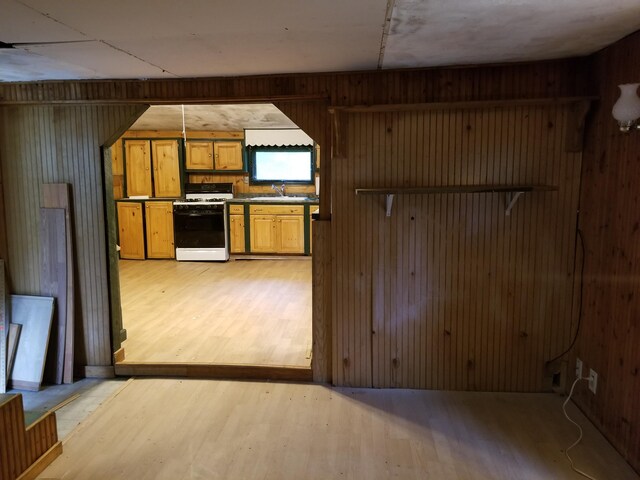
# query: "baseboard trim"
219,371
99,371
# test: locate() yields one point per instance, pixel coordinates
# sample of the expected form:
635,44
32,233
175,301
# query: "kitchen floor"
251,312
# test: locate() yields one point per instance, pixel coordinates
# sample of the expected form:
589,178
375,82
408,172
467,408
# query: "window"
281,165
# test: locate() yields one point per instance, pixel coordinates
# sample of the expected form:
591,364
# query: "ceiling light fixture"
627,109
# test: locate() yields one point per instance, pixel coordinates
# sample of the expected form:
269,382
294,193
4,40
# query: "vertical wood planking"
20,447
610,222
321,320
70,129
45,144
469,269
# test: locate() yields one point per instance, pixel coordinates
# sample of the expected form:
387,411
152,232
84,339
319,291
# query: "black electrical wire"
575,337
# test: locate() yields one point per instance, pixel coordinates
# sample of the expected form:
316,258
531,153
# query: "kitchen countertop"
276,200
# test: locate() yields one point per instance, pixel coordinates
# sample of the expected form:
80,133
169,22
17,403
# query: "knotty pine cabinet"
155,218
138,167
159,223
236,229
163,156
277,229
199,155
117,170
166,168
215,156
227,156
131,230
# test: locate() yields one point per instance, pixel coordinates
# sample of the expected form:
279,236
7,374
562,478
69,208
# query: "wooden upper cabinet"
138,167
199,155
166,168
117,170
131,230
159,223
228,155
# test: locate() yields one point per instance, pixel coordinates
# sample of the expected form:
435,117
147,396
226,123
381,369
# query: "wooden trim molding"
220,371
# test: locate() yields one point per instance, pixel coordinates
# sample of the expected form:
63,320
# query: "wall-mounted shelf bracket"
389,203
511,199
512,192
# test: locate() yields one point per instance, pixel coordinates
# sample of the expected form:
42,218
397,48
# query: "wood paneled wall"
541,79
61,144
449,292
51,127
20,447
609,340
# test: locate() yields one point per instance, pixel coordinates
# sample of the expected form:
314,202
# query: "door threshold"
215,371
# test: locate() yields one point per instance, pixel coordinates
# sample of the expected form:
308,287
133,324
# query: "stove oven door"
199,228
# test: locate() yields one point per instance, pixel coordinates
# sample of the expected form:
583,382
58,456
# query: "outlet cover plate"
578,368
593,380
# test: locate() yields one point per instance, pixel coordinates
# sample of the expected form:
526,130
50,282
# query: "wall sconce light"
627,109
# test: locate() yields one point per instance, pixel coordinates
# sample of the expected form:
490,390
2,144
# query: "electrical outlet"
593,380
578,368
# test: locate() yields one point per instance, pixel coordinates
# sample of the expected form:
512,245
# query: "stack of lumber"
37,332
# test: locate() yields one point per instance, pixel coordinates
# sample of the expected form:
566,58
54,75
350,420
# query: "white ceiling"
61,39
229,118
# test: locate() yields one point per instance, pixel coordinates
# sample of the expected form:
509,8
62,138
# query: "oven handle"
198,214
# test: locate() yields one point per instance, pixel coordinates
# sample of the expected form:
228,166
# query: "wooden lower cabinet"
236,234
277,234
290,231
131,230
156,220
263,234
159,223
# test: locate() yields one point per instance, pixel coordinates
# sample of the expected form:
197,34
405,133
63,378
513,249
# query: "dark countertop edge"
275,202
233,200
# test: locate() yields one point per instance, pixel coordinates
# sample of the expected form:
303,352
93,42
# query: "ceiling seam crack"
385,31
50,17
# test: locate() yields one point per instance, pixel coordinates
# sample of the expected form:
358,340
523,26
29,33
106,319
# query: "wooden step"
220,371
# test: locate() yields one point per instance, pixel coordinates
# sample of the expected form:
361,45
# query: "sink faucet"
279,190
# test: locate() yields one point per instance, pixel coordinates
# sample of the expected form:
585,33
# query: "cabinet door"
263,233
130,230
236,233
290,234
199,155
117,170
166,168
159,220
228,155
138,167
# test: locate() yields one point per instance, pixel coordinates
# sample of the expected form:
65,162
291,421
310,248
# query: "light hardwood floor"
206,429
255,312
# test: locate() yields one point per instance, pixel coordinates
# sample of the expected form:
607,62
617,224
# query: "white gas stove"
200,222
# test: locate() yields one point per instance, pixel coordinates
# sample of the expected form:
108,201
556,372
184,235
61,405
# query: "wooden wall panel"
448,292
46,126
61,144
540,79
610,221
20,447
